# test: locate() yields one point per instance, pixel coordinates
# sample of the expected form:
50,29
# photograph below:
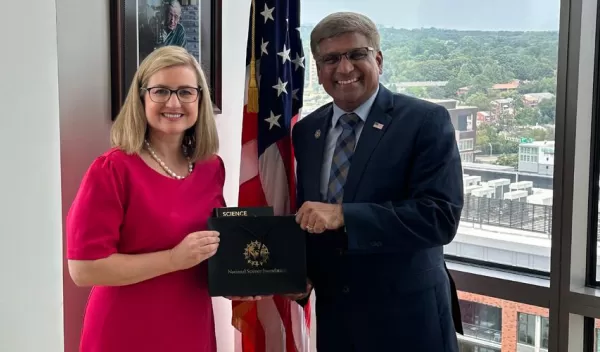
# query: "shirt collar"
362,111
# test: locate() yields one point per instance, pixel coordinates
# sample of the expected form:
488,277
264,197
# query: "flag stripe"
284,308
250,161
273,327
273,176
300,328
267,176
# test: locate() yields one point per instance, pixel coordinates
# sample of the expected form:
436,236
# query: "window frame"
566,289
594,173
577,52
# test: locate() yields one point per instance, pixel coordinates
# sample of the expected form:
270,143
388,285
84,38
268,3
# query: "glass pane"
545,332
596,335
492,324
493,66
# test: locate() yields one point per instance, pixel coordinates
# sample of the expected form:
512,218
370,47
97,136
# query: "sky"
528,15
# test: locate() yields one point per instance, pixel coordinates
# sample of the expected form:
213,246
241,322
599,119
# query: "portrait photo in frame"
140,26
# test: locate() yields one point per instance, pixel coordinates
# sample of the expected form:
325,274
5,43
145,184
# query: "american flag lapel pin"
377,125
317,134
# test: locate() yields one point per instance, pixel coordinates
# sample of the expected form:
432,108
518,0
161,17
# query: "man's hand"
302,295
316,217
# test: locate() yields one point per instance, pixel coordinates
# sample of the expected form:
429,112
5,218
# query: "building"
533,99
312,79
518,239
502,108
489,172
537,157
464,120
493,325
506,87
484,116
404,87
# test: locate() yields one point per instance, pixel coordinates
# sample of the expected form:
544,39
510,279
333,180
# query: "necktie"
340,163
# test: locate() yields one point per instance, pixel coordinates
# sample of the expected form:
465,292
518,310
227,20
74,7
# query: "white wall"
84,89
235,36
30,213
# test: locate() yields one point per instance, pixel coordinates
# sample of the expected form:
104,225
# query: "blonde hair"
130,127
339,23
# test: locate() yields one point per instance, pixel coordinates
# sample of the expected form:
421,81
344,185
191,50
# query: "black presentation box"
259,253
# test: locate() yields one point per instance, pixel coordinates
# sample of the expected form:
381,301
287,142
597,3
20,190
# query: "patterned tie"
340,163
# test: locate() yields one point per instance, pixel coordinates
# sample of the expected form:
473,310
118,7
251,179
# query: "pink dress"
124,206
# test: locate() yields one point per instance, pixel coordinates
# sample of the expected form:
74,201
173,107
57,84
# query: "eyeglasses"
162,94
352,55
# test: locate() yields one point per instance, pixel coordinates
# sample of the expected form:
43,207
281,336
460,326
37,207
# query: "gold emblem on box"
256,253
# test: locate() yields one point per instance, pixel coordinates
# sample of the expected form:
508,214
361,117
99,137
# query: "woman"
136,229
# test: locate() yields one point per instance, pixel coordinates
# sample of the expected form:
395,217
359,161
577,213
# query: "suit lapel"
315,146
375,126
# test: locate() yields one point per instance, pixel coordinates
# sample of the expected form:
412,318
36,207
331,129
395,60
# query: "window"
527,329
465,144
545,332
466,347
481,321
485,324
593,272
524,85
491,72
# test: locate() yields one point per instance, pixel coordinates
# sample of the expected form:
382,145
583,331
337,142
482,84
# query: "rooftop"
538,96
538,144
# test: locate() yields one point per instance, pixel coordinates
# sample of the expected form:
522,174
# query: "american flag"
274,88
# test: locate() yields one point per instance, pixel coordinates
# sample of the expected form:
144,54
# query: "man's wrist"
341,216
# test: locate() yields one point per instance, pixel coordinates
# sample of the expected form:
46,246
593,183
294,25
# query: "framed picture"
140,26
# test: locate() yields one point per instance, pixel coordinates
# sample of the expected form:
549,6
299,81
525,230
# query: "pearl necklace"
164,166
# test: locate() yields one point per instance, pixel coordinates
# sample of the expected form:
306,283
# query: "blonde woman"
136,230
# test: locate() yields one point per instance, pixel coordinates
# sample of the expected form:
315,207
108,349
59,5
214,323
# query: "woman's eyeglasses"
162,94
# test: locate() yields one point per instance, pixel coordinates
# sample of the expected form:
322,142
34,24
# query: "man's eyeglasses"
352,55
162,94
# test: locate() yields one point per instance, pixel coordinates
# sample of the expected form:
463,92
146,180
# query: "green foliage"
477,60
508,160
491,138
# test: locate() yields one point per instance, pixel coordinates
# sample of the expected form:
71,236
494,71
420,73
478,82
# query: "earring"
191,140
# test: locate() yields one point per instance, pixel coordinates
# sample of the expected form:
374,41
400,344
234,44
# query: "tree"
476,60
488,134
547,109
527,116
508,160
480,100
537,134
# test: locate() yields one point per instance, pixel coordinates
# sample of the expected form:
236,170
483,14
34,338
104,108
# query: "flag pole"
252,105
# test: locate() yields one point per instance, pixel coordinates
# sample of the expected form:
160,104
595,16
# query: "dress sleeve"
95,217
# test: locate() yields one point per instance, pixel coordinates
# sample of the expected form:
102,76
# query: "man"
163,28
173,32
380,191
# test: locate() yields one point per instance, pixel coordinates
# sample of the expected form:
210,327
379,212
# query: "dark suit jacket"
381,283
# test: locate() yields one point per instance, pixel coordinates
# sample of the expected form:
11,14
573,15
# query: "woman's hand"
248,298
194,249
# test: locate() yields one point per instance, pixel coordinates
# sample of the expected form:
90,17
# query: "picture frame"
135,30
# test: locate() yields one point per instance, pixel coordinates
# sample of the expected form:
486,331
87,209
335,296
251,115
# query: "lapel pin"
377,125
317,134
